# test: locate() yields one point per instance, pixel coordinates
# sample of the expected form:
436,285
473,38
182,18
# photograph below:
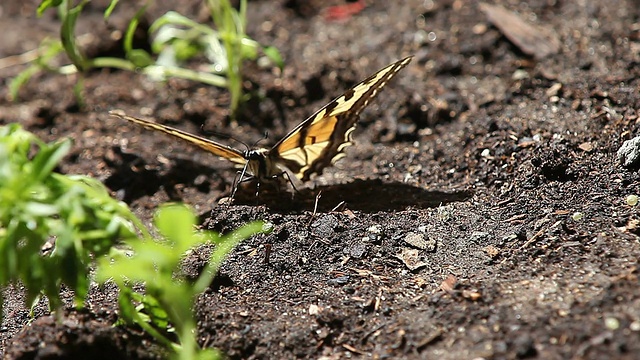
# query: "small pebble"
611,323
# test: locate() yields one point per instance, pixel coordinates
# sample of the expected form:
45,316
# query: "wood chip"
353,350
472,295
533,40
516,218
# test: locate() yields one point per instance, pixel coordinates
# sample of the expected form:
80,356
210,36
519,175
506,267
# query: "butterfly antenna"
224,136
264,137
241,142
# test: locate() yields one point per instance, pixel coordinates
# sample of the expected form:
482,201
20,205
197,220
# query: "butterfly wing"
320,140
223,151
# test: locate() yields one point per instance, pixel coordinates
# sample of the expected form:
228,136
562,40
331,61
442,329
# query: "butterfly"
316,143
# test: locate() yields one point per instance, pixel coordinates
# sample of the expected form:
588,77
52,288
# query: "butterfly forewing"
226,152
319,140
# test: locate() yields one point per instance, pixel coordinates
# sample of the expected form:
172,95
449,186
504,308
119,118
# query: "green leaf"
45,4
176,223
112,6
157,314
140,58
48,50
131,30
67,36
37,205
274,55
168,300
224,246
48,157
126,307
22,78
40,209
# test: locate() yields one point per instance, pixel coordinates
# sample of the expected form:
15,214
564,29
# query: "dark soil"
481,214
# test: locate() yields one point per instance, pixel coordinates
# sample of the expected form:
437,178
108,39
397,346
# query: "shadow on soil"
368,196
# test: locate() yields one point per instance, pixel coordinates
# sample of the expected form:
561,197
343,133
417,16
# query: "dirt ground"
481,214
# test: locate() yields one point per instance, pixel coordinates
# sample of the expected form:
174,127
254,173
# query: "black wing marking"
320,140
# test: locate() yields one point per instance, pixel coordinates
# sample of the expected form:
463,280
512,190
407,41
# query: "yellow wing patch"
318,131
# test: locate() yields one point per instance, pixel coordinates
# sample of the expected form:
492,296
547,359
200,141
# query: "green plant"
77,214
70,45
178,39
38,206
238,46
167,303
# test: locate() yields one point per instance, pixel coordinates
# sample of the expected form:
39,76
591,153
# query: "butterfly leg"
240,177
286,175
257,190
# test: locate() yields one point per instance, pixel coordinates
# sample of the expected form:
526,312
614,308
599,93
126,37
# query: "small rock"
356,250
375,229
586,146
629,152
375,233
479,237
491,250
325,226
554,90
314,309
411,259
612,323
420,241
520,75
339,280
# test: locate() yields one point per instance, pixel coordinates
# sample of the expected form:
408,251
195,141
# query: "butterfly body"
262,166
313,145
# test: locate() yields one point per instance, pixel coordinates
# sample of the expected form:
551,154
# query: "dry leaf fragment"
533,40
449,284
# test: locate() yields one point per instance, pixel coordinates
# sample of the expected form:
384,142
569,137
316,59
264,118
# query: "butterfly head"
261,165
255,154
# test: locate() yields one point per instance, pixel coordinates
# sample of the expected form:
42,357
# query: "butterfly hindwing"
223,151
320,140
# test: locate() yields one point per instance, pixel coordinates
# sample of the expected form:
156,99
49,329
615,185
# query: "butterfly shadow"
132,177
360,195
